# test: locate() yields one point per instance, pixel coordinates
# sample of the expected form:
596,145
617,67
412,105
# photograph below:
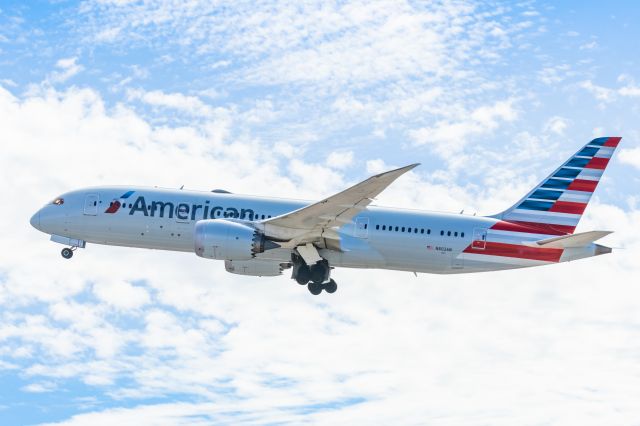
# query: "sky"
301,99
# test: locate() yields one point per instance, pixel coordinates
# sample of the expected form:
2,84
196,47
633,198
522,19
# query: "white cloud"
340,159
599,92
448,138
608,94
8,82
121,294
188,104
556,125
631,91
630,156
68,67
555,74
39,387
589,46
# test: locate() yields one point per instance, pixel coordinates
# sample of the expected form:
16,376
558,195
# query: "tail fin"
555,206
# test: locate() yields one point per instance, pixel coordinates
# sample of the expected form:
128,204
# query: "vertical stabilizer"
555,206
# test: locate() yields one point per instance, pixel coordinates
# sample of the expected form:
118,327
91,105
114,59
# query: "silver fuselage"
379,237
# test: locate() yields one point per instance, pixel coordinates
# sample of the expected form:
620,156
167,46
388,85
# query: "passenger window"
462,234
441,232
403,229
396,229
422,230
415,230
377,226
455,234
384,227
428,231
448,233
390,228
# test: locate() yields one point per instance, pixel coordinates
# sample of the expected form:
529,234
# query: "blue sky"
300,99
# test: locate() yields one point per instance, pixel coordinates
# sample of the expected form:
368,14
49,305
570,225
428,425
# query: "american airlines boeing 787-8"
262,236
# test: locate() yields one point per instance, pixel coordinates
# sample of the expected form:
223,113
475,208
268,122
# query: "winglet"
400,171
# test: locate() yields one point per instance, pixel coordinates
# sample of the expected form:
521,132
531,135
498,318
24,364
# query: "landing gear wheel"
67,253
319,272
315,288
303,275
331,286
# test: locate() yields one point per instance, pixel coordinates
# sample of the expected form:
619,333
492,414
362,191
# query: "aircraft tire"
315,288
331,286
319,272
67,253
304,275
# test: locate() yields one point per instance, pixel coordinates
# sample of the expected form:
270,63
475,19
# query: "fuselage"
378,237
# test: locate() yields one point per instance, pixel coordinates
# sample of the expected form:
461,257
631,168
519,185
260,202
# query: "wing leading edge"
312,222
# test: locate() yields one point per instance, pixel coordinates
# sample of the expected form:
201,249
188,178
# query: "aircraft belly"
142,232
406,253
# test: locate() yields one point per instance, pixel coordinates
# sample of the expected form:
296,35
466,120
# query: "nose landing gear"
315,277
67,253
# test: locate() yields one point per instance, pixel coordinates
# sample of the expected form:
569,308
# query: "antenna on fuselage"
182,187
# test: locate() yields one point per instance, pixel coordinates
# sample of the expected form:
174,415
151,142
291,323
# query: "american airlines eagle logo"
115,205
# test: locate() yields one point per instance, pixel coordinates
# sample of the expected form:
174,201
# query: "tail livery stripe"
613,142
559,201
519,251
597,163
583,185
533,227
568,207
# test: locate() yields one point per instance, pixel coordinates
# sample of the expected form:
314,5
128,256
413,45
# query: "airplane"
263,236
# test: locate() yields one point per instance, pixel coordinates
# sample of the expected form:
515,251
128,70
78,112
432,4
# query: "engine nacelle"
226,240
255,267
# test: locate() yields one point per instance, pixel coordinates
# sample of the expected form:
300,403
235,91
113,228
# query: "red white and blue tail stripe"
551,209
555,206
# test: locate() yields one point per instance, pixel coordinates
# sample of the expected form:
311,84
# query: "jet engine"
222,239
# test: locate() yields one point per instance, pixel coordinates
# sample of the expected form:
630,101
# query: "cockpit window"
58,201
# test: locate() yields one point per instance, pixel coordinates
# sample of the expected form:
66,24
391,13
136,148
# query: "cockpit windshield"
58,201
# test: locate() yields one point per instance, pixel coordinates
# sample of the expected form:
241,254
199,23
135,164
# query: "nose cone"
35,220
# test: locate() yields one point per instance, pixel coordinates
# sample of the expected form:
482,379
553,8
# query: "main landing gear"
67,252
315,277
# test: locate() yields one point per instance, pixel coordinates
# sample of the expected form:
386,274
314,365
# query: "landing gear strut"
67,253
316,276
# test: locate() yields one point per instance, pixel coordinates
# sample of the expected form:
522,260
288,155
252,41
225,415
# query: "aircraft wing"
334,211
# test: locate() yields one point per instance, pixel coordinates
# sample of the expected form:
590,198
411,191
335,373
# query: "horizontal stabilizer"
574,240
